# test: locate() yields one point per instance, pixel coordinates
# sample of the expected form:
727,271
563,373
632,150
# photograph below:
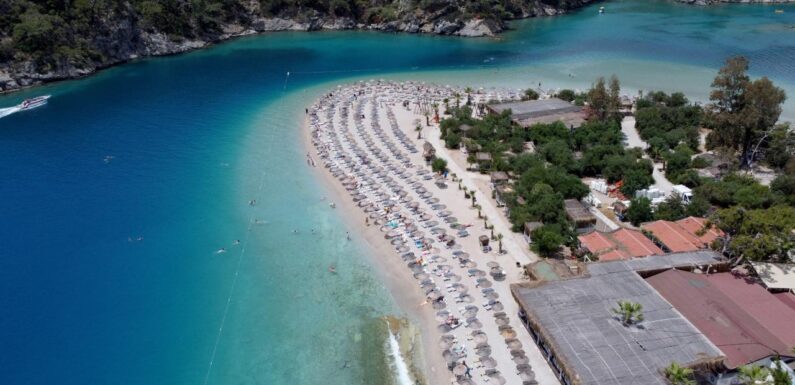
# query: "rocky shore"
121,38
712,2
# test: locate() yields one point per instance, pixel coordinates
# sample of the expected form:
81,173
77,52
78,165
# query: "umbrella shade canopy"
492,264
483,282
520,359
488,362
484,240
459,370
483,351
507,333
474,323
497,306
479,337
442,316
513,344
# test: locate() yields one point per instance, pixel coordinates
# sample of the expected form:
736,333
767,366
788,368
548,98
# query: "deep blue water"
193,138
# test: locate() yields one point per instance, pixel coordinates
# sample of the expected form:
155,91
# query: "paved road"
633,140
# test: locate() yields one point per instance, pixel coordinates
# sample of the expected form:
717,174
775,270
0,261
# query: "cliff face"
40,42
711,2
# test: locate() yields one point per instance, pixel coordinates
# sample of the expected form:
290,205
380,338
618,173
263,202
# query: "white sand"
399,278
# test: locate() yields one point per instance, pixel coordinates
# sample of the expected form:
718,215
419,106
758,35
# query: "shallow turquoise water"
195,137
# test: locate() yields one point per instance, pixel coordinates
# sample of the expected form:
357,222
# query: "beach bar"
585,343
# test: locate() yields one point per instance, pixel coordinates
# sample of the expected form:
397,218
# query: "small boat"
29,104
601,9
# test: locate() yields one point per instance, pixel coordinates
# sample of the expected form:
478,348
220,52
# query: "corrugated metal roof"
780,276
576,315
739,316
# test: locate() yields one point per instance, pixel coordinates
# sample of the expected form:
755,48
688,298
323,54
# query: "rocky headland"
39,44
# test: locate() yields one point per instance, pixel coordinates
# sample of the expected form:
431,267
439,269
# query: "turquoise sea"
171,150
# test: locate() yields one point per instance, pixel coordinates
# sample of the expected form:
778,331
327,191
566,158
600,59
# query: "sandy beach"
423,235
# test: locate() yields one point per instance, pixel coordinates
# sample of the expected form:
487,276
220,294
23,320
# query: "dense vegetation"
59,34
551,173
758,220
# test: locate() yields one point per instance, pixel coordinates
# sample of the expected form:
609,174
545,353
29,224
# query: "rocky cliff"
41,42
711,2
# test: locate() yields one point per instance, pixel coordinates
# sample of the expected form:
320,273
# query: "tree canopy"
743,111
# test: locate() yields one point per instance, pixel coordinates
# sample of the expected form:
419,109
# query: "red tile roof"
740,317
682,235
694,225
636,243
619,244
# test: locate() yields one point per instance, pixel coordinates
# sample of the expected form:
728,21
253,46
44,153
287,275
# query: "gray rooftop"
536,108
575,318
656,262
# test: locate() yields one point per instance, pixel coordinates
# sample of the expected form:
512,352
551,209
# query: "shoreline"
446,277
391,272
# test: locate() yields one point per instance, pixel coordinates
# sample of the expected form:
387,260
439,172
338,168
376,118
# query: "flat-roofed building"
586,344
776,276
578,214
529,112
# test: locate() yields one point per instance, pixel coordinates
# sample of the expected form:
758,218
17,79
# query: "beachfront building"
499,178
618,244
585,342
528,229
578,214
746,322
501,194
529,112
483,159
687,234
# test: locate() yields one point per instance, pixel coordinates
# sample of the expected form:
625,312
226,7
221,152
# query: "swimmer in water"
331,269
236,242
221,250
252,202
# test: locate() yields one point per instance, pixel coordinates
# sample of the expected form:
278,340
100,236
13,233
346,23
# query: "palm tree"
630,312
485,222
427,115
679,375
491,227
457,100
468,91
499,241
479,207
473,198
419,131
435,111
754,375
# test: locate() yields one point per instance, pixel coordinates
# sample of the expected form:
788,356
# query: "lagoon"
171,150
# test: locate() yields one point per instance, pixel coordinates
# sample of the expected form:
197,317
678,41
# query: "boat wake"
27,104
398,364
8,111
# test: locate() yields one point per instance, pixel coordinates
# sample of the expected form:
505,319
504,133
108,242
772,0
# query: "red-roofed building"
745,321
619,244
683,235
787,298
695,225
